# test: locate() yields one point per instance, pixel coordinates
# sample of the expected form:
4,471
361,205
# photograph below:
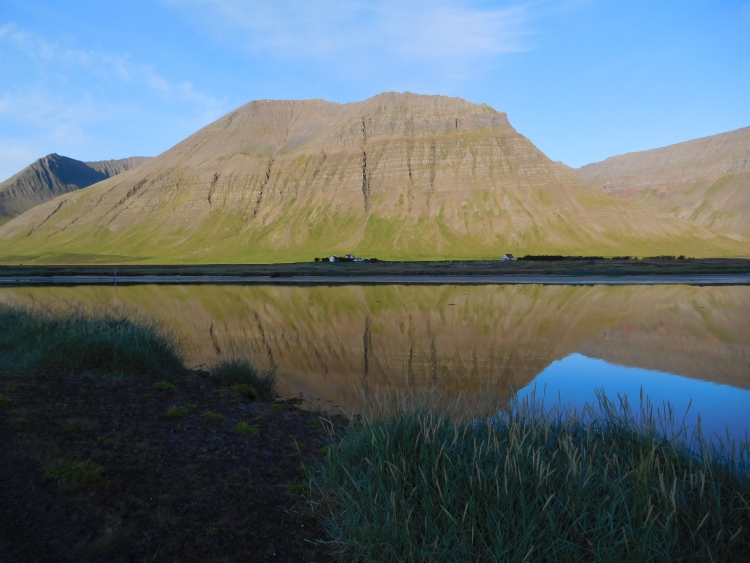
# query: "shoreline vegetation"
419,483
100,418
531,265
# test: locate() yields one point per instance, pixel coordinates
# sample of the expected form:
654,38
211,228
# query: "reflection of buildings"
325,340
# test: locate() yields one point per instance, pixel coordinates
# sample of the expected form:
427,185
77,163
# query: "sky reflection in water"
575,379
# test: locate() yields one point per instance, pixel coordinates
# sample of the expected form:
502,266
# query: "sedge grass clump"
530,485
79,341
242,376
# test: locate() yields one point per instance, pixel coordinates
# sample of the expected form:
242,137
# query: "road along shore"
697,279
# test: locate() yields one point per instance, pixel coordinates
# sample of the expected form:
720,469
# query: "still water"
676,343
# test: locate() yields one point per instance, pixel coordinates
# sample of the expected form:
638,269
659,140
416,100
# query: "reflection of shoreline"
460,338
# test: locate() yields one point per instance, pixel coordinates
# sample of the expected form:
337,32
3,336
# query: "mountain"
52,176
704,181
395,176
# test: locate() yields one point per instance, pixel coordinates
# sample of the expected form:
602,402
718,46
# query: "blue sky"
583,79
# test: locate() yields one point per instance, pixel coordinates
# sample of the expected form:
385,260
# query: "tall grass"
77,341
526,485
240,373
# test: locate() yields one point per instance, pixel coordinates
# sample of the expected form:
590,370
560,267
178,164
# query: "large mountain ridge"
52,176
703,181
398,176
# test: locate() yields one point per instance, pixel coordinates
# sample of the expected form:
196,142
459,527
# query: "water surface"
676,342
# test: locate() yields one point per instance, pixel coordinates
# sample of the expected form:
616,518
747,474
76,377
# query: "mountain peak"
53,175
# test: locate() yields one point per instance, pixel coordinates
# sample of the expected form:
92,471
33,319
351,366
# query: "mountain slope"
705,181
52,176
114,167
396,176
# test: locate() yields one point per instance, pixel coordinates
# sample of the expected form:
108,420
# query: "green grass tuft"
73,427
208,415
242,376
316,422
306,470
176,412
76,472
74,341
595,485
298,489
246,391
245,428
165,385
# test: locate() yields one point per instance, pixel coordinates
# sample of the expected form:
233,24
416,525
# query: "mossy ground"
130,484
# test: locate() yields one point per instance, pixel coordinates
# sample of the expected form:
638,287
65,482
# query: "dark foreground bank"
148,461
144,460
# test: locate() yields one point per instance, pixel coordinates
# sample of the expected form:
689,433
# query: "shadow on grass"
75,341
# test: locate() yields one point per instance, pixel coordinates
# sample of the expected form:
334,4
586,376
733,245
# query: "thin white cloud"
102,63
450,31
444,32
87,103
62,119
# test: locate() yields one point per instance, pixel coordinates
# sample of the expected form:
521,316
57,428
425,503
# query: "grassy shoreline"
572,266
529,485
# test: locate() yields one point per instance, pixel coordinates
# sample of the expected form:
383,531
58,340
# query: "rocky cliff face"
54,175
396,176
704,181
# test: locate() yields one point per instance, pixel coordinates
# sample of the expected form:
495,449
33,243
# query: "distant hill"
52,176
397,176
704,181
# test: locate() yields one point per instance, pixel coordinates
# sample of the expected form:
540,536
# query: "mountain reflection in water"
327,340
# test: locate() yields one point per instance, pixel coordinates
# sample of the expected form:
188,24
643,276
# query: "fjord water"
675,343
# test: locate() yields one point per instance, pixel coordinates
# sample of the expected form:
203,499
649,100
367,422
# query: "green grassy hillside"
398,176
